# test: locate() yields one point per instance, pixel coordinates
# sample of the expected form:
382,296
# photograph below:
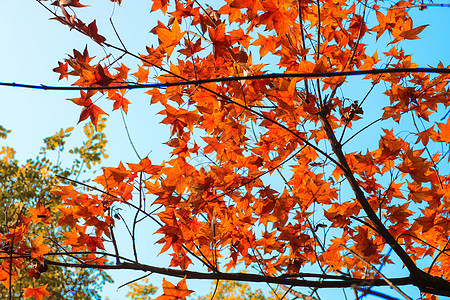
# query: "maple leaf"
267,44
425,135
73,3
444,135
415,166
40,213
92,242
120,102
118,174
145,165
427,222
123,72
181,260
33,272
174,292
399,213
79,61
191,48
160,4
72,237
92,111
85,99
142,74
101,76
39,249
252,6
37,293
62,69
177,127
170,38
220,40
68,217
412,33
93,33
89,109
274,17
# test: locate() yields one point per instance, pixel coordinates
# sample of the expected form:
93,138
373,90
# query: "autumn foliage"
269,167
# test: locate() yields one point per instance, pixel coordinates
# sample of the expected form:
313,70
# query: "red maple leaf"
92,111
73,3
62,69
92,32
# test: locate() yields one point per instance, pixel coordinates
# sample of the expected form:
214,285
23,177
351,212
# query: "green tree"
141,291
221,290
234,290
25,190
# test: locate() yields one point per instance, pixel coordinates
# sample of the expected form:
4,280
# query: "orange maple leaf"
170,37
92,242
120,101
7,278
72,238
85,99
412,33
172,292
145,165
416,166
191,48
425,135
427,222
37,293
141,74
160,4
38,249
267,44
102,76
444,135
40,213
220,40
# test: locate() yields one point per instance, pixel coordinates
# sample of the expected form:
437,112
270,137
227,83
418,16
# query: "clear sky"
32,45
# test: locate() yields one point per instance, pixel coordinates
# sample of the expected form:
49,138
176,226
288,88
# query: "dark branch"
229,79
238,276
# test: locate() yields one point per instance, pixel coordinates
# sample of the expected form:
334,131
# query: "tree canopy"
306,147
25,192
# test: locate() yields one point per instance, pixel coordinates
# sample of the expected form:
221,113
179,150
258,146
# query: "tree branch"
228,79
236,276
425,282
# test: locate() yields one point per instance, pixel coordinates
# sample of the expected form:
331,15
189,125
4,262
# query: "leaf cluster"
264,174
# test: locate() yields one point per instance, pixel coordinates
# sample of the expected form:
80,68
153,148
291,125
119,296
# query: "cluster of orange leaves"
227,205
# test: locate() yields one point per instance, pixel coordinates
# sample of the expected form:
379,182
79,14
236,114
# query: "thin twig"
129,135
421,6
134,280
378,272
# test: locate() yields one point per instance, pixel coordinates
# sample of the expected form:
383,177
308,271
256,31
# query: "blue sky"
32,45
